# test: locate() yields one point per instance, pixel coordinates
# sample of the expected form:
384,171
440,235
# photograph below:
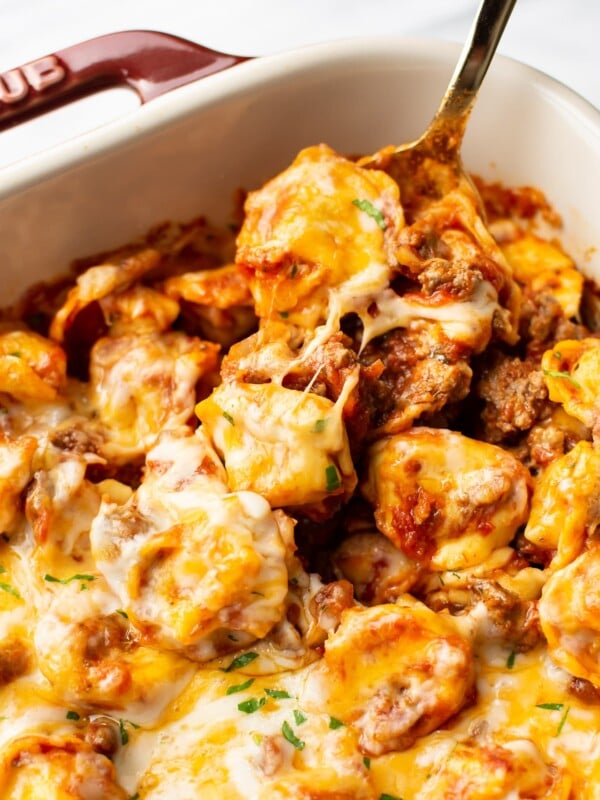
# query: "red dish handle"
149,62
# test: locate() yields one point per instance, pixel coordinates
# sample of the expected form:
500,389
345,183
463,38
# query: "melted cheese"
160,637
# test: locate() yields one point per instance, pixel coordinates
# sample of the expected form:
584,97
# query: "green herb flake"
456,575
240,661
16,354
510,661
252,705
284,314
277,694
73,715
334,723
229,418
6,587
121,613
257,738
299,717
550,706
294,271
561,724
291,737
441,580
2,569
77,577
332,479
367,762
123,730
369,208
385,796
240,687
319,426
552,373
558,355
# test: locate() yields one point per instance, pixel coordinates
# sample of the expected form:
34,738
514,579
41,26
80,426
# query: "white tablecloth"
560,37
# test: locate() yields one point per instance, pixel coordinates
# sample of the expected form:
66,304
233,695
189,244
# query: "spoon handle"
471,68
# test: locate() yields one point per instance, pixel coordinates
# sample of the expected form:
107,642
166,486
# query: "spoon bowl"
433,161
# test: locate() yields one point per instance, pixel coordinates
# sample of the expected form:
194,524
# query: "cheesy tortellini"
309,514
195,567
445,499
56,768
419,671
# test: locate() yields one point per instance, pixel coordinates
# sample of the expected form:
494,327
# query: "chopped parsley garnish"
277,694
510,661
123,730
389,797
441,580
6,587
294,271
332,479
64,581
561,724
299,717
284,314
550,706
367,762
319,426
252,705
240,687
16,354
73,715
552,373
456,575
334,723
241,661
229,418
369,208
122,613
289,734
558,355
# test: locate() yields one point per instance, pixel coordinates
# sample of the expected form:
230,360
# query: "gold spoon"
431,166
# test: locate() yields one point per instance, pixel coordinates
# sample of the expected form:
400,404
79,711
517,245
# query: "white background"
560,37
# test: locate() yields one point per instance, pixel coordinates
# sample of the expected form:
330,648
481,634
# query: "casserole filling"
311,514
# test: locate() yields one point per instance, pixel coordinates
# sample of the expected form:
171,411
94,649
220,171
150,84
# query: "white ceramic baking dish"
186,152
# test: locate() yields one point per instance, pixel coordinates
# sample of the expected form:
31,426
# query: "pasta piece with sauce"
142,384
572,373
289,446
59,767
512,770
444,499
394,673
31,367
570,618
322,225
198,570
565,509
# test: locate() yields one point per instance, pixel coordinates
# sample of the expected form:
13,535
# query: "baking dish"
187,151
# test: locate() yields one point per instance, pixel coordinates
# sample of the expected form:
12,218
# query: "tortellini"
197,569
289,446
444,499
394,672
569,616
